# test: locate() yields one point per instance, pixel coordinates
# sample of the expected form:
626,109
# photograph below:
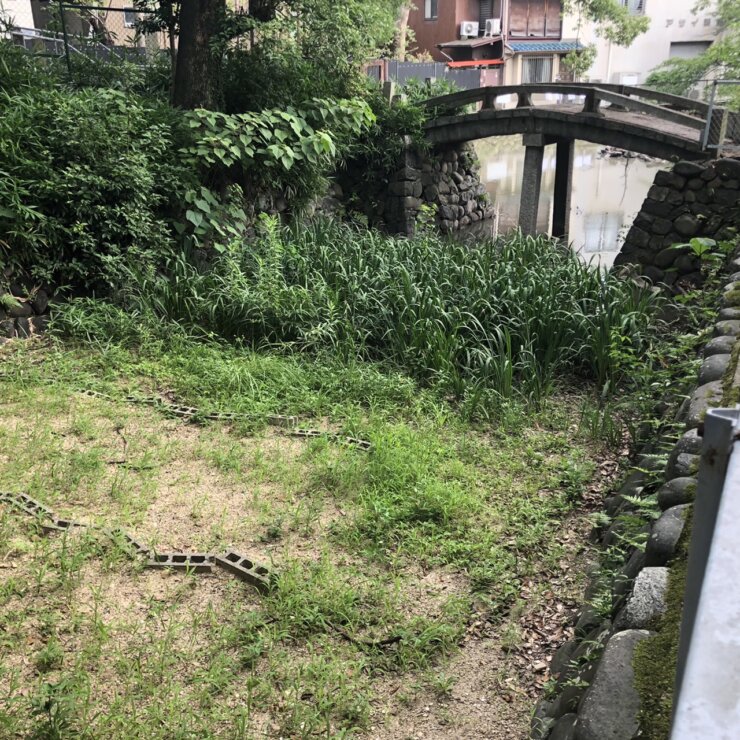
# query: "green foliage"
500,320
86,178
278,150
613,20
720,61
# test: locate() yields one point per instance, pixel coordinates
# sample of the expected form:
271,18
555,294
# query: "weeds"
488,323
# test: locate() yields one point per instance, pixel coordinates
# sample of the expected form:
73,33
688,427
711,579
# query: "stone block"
695,183
188,561
688,169
729,314
23,328
727,328
709,173
245,569
628,573
655,208
719,346
564,728
664,536
715,366
670,180
611,704
647,601
727,168
687,225
657,193
684,457
20,311
704,397
666,257
686,264
676,492
661,226
40,301
562,657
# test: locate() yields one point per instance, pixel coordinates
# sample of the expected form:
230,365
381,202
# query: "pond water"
607,192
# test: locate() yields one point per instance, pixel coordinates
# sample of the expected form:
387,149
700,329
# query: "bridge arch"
657,124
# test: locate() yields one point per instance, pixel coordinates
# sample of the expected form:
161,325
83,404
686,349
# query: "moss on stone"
655,658
731,393
732,297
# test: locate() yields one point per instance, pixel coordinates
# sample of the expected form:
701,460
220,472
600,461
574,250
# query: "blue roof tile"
552,46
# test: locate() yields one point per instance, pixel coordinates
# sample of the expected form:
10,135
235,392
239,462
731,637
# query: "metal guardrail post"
708,665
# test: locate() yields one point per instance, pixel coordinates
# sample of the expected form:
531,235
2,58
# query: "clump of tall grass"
497,320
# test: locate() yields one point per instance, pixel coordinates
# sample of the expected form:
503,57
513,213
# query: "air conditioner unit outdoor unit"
493,27
469,29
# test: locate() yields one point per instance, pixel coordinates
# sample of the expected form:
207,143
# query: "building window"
635,7
129,18
430,9
688,49
536,69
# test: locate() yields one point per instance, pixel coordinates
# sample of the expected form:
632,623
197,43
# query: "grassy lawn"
405,574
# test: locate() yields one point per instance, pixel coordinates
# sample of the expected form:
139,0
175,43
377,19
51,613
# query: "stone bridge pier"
532,180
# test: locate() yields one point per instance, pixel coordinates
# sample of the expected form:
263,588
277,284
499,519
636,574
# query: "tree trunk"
197,72
400,37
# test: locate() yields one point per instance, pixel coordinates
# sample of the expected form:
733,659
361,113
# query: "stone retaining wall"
691,200
594,694
28,317
447,179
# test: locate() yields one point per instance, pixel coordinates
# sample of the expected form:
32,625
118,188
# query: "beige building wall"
672,23
17,12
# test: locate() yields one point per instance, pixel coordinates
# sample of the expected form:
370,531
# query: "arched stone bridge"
633,118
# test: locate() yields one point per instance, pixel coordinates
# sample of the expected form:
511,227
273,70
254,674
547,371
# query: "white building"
675,31
17,12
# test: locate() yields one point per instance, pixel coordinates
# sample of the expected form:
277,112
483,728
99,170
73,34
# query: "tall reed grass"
500,319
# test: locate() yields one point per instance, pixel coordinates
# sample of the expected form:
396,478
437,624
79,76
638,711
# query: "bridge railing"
691,114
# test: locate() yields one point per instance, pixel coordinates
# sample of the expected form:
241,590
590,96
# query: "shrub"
86,177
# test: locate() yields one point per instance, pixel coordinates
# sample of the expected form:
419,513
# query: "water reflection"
607,192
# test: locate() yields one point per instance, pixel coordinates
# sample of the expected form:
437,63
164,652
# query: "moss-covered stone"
655,658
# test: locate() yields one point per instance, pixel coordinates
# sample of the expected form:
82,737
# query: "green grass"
352,534
498,320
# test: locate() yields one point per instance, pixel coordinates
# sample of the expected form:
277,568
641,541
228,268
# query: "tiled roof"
551,46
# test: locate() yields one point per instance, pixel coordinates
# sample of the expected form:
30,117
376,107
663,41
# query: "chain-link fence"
82,35
722,131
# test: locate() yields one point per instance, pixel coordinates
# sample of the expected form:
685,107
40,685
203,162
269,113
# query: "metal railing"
708,666
722,130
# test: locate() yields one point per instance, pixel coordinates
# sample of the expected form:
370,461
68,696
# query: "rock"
653,273
589,620
39,324
704,397
458,178
687,224
661,545
562,657
647,602
541,723
719,346
624,578
23,328
727,168
564,728
685,264
676,492
727,328
688,169
670,179
683,465
20,311
714,367
40,301
7,328
610,706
